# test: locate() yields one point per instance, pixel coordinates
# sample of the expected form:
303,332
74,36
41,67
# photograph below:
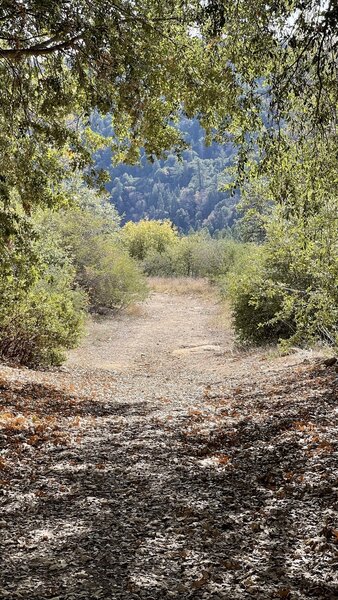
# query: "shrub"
215,257
41,314
146,236
39,327
160,264
293,288
111,278
282,293
255,301
195,255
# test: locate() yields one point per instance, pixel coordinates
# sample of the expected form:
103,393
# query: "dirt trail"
160,463
169,335
174,339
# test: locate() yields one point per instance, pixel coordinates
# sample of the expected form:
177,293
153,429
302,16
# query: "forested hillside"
186,189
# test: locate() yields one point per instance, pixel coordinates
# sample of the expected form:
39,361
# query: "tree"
144,62
282,48
61,60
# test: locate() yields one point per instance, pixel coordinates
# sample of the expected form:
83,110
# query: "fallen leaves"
3,464
223,495
283,592
223,459
204,578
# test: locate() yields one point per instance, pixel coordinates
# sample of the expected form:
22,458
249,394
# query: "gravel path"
160,463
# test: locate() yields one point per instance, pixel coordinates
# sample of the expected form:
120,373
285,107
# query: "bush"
255,301
157,264
111,278
195,255
213,258
291,291
39,327
281,293
41,314
148,236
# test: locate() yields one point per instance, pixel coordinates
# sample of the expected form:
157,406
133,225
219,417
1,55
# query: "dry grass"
223,317
134,310
181,286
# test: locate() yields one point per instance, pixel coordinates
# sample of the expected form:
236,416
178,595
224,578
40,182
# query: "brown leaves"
232,565
196,414
223,459
31,417
284,593
304,426
201,581
3,464
10,422
171,493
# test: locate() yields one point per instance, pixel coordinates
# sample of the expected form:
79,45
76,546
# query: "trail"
166,331
160,462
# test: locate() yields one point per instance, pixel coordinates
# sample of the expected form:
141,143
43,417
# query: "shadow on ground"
234,500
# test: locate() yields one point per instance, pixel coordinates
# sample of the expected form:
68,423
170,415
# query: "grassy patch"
181,285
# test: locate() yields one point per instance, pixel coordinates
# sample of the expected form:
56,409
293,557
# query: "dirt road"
161,329
172,344
163,463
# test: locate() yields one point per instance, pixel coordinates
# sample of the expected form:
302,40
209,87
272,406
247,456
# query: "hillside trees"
187,189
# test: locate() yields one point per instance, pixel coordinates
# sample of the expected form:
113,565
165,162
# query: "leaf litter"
193,483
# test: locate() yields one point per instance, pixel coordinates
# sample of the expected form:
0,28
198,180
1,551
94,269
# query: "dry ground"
161,462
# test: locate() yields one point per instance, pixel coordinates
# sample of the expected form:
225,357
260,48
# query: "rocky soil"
161,463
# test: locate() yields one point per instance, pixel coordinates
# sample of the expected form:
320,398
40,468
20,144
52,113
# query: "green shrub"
256,301
195,255
291,292
281,292
148,236
157,264
213,258
111,277
41,314
39,327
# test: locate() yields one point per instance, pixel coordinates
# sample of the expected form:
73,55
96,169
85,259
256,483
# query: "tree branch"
39,49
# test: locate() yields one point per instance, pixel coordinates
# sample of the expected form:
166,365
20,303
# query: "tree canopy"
60,60
145,62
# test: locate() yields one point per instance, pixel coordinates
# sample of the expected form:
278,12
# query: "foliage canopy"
144,62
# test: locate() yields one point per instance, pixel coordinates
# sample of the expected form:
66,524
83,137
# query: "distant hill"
186,191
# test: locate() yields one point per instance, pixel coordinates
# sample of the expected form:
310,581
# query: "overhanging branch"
39,49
